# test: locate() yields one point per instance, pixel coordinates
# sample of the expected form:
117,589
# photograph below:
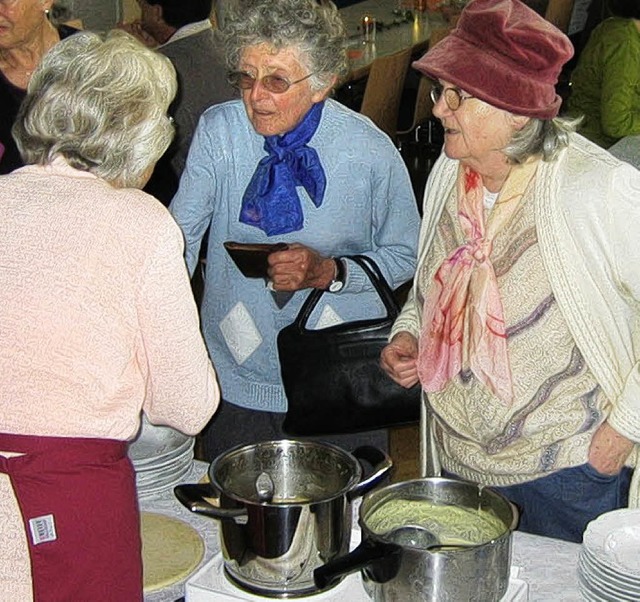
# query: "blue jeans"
561,504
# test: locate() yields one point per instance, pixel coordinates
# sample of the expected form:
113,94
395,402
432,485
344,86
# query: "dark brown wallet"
251,258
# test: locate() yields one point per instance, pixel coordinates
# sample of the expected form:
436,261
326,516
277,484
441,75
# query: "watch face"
336,286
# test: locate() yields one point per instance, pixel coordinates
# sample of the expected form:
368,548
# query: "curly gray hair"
101,103
540,137
313,27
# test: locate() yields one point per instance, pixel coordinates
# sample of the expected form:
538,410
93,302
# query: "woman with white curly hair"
287,164
98,320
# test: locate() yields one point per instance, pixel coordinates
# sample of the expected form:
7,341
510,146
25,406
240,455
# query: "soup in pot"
451,525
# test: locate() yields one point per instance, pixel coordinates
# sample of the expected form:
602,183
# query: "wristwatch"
339,277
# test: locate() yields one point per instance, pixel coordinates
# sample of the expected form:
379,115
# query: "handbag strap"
371,269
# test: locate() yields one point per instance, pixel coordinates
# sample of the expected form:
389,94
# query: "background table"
395,33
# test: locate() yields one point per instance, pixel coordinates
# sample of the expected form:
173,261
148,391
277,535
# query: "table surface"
548,566
628,149
395,34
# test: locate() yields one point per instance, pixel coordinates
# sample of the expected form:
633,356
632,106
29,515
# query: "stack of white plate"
161,457
609,562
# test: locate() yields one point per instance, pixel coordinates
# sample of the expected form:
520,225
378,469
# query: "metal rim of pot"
267,528
354,487
385,565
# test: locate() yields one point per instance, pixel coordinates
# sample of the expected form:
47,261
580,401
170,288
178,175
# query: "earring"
47,14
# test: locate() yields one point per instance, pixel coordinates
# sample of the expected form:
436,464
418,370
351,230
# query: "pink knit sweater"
97,322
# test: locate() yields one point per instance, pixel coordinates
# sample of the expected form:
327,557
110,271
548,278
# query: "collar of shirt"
189,30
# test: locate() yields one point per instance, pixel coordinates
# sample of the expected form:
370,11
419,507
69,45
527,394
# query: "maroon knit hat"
505,54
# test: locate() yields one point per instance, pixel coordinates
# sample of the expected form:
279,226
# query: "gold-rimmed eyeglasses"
452,96
272,83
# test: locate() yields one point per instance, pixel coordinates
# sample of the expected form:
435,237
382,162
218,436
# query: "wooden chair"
420,144
423,105
381,100
421,112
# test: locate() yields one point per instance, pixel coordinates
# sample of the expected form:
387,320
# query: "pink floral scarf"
463,314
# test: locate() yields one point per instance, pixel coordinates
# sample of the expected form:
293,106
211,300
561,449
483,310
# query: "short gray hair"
101,103
540,137
313,27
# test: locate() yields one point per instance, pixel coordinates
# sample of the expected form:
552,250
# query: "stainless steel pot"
272,541
392,571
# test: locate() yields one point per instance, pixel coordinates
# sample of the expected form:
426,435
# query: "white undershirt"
490,199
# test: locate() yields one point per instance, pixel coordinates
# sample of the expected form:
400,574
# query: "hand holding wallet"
251,258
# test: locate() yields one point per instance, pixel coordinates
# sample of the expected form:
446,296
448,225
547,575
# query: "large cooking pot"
273,536
397,567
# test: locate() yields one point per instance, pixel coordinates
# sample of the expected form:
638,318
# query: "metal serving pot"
273,536
401,568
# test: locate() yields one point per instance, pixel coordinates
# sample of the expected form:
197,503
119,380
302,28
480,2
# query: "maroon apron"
80,511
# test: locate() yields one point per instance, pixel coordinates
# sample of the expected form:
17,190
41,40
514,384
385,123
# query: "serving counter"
547,566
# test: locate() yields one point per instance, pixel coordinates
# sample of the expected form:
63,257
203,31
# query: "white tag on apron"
43,529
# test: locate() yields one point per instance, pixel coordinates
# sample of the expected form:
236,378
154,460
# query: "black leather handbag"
332,376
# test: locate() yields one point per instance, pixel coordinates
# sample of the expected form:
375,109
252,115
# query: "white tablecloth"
548,566
628,149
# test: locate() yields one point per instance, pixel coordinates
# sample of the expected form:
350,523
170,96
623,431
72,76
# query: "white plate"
160,462
165,458
610,574
613,539
588,593
603,585
624,545
166,469
155,442
147,490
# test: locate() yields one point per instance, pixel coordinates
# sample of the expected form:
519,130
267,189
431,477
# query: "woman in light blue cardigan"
285,164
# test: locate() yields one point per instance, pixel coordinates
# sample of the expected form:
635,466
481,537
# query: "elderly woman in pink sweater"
98,321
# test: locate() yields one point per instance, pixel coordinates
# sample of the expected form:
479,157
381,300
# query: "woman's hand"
609,450
300,267
399,359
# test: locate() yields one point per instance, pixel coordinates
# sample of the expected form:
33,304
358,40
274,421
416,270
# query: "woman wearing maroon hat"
523,325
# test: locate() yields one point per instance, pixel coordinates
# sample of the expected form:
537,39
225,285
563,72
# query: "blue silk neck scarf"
271,201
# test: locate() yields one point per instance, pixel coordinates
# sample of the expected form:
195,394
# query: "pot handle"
191,495
382,464
368,552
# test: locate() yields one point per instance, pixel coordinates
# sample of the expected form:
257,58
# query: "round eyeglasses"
452,96
272,83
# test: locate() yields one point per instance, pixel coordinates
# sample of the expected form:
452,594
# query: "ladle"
264,487
417,536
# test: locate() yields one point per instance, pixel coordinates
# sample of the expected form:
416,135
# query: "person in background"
522,325
26,34
98,320
605,85
287,164
185,35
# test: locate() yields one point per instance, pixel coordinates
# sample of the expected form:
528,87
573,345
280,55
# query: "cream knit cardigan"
588,222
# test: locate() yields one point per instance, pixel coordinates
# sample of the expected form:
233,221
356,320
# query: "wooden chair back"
423,105
381,100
